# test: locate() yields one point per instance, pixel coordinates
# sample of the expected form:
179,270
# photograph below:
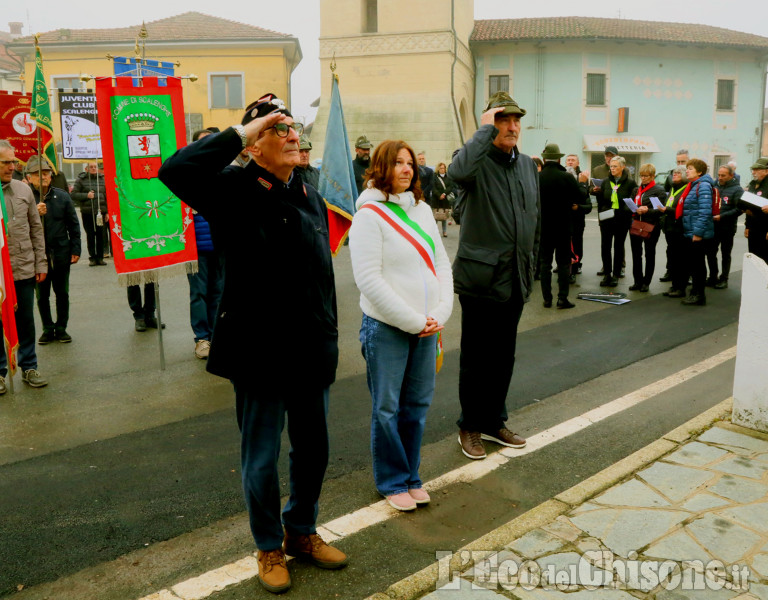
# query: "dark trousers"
649,244
205,289
577,239
695,264
147,309
94,236
261,414
724,241
676,258
26,357
58,278
560,249
613,234
488,339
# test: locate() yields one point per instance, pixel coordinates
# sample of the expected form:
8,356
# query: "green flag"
41,110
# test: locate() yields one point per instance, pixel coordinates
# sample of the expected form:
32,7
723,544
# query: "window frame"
732,106
227,74
499,77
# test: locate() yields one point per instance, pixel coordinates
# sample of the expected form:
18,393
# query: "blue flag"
337,178
125,67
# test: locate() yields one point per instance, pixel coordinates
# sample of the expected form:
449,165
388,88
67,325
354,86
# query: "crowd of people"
518,214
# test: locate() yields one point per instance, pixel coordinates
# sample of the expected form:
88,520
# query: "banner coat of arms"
153,235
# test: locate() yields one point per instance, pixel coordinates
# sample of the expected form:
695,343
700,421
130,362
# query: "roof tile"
186,26
591,28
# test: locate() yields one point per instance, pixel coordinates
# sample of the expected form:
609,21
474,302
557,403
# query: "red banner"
17,126
152,230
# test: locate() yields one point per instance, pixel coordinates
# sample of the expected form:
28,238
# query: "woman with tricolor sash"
406,294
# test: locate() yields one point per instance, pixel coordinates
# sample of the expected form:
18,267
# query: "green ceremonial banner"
140,126
41,110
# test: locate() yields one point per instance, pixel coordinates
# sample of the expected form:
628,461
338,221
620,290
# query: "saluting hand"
255,127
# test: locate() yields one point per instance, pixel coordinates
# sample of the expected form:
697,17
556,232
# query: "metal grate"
595,89
725,94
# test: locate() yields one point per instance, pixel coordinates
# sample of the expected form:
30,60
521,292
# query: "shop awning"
624,143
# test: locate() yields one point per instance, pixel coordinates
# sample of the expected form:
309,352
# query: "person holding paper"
756,230
648,212
673,233
615,218
725,226
695,209
406,294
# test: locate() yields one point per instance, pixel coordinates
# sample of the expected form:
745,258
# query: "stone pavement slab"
701,510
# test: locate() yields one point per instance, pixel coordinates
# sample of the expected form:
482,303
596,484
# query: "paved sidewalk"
686,517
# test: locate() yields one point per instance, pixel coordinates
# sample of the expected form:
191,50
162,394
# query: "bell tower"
405,72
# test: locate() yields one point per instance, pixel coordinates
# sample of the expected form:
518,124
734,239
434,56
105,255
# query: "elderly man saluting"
493,270
279,290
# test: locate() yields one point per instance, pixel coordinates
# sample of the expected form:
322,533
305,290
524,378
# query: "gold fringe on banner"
155,275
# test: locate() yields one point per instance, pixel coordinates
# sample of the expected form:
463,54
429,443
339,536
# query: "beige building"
403,66
234,62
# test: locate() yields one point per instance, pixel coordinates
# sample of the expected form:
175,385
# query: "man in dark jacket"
425,176
362,161
62,248
91,194
559,192
307,172
725,226
579,210
493,270
291,312
756,230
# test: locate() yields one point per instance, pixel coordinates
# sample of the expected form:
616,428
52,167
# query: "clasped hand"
431,328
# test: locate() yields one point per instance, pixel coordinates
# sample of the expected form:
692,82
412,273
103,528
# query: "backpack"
716,200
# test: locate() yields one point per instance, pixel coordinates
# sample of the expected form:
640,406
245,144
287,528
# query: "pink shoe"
420,495
402,502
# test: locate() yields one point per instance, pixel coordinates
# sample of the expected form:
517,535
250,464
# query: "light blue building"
682,86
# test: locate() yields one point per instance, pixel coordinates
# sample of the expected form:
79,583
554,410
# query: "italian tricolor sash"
396,218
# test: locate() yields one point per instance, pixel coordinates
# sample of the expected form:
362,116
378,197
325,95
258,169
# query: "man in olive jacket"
493,270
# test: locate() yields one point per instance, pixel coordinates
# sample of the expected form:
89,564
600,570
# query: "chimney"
15,27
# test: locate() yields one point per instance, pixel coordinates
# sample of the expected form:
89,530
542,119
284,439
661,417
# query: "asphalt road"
123,476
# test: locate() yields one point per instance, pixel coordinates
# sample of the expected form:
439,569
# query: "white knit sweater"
396,285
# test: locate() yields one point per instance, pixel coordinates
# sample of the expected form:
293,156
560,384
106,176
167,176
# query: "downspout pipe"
761,128
456,114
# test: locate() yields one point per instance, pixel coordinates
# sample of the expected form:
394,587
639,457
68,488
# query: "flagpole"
140,57
8,355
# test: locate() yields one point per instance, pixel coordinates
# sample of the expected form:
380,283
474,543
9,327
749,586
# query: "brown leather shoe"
471,444
505,437
312,548
273,572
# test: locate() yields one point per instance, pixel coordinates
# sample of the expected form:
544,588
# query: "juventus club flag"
79,126
152,230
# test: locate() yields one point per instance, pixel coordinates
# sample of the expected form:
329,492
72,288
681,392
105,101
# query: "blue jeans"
205,289
261,412
401,379
26,357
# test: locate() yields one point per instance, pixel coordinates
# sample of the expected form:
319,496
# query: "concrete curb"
423,582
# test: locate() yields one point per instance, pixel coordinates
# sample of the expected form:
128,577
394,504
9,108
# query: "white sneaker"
202,348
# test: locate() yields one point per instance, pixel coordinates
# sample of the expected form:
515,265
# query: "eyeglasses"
5,163
281,129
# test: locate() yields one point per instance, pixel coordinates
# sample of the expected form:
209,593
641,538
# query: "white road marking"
206,584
